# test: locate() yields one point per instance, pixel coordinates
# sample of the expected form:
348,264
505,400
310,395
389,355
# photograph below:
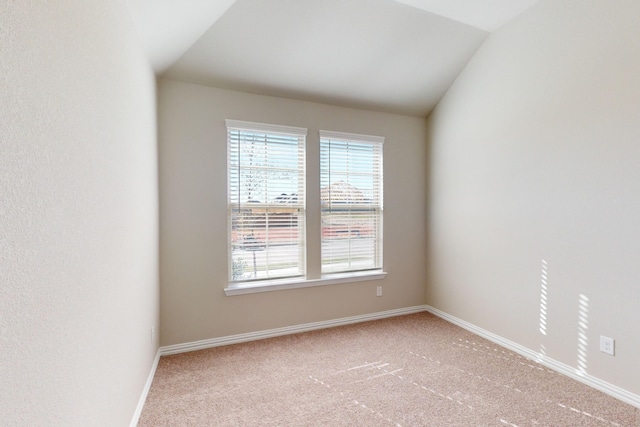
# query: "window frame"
272,136
351,151
235,287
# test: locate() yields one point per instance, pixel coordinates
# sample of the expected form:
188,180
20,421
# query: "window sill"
297,282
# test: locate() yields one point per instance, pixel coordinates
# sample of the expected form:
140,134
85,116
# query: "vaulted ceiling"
388,55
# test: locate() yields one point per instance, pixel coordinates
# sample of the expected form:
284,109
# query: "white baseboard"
252,336
598,384
145,391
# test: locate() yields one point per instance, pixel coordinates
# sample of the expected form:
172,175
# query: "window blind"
266,201
351,179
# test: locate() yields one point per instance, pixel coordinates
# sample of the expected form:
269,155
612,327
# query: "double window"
267,203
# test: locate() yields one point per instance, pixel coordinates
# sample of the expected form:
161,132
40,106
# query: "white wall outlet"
153,333
379,291
607,345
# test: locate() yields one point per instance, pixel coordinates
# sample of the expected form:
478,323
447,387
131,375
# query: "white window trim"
258,286
264,127
344,136
360,138
241,288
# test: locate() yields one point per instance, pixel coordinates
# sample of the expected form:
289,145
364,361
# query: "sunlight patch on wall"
583,339
543,299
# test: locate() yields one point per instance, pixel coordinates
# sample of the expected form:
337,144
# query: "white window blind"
352,201
266,201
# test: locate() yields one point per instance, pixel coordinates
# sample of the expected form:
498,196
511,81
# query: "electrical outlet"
607,345
153,333
379,291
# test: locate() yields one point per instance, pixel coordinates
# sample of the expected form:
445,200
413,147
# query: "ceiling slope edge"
168,28
487,15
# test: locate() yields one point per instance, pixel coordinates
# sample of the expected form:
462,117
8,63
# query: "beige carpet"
415,370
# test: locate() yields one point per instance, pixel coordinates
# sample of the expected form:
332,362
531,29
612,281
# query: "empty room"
320,212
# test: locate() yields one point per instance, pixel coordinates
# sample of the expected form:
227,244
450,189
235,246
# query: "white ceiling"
389,55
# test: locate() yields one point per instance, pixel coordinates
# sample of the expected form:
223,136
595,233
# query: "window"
267,215
351,200
266,201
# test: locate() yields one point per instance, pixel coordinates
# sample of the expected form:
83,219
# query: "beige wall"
78,214
535,154
193,222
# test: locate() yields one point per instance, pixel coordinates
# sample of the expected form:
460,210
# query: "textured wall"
535,195
78,214
193,221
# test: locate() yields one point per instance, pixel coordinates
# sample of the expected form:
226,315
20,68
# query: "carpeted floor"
415,370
